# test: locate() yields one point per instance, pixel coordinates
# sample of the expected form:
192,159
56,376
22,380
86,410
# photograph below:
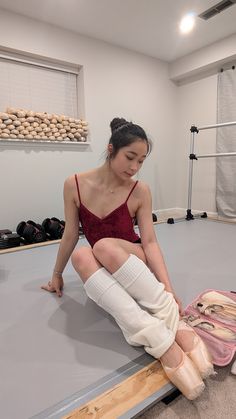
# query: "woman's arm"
69,239
71,233
150,245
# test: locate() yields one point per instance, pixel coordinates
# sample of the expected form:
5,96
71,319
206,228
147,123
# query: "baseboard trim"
179,211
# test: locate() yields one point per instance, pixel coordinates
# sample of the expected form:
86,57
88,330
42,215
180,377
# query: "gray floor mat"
52,348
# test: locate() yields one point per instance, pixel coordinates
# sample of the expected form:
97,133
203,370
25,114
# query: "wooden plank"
124,396
29,246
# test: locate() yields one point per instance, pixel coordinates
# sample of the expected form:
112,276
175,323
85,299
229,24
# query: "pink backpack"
213,316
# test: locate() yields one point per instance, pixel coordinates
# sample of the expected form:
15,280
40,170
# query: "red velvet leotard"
118,224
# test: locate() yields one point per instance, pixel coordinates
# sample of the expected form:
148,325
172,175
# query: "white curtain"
226,142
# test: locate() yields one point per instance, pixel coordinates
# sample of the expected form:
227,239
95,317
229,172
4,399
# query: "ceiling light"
187,23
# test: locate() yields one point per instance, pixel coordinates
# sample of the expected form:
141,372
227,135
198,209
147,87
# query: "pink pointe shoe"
186,378
199,355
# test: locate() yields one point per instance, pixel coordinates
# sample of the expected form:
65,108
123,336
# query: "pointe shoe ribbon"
220,298
199,354
218,306
186,378
212,328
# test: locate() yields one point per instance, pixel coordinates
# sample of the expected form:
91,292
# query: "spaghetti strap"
77,184
131,190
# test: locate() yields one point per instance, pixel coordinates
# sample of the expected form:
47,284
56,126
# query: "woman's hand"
55,285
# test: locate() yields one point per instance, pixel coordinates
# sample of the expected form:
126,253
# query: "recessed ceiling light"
187,23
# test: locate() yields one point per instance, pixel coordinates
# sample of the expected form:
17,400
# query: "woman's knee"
84,262
104,249
81,257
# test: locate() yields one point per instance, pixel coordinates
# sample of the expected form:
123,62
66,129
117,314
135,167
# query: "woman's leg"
137,279
84,262
86,265
113,254
137,325
142,285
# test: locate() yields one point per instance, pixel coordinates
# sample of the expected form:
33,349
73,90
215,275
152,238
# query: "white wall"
117,82
197,106
196,76
207,59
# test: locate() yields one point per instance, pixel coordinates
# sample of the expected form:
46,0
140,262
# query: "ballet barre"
192,156
233,153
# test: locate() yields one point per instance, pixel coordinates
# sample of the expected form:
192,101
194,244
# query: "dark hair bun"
117,123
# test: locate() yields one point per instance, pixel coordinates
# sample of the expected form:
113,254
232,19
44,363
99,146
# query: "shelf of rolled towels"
22,124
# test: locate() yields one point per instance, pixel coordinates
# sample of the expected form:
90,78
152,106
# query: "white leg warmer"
142,285
138,326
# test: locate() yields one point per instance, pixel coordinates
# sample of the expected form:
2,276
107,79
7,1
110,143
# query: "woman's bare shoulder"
142,188
71,182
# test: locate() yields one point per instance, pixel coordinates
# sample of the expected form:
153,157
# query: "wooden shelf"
39,143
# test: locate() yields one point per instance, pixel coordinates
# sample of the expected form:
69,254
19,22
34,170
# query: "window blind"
37,88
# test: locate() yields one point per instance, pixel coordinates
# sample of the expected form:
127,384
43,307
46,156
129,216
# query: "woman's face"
129,159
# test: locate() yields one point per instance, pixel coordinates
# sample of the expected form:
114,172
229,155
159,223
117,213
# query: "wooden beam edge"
28,246
123,396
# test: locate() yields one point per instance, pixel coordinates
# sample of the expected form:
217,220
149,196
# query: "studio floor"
56,352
